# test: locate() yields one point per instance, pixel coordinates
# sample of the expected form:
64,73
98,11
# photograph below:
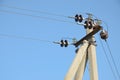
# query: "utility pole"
92,58
87,51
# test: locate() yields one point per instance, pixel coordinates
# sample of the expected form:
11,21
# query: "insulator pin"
78,18
61,43
88,24
64,43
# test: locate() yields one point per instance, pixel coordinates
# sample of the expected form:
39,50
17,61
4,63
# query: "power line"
47,13
43,12
22,37
36,11
113,60
107,27
108,60
53,19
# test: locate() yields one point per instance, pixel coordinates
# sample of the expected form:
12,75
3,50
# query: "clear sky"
27,59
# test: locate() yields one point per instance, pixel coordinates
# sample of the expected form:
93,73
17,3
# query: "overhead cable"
107,58
113,60
107,27
36,11
40,17
22,37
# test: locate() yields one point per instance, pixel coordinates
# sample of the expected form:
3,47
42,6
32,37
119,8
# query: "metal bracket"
88,36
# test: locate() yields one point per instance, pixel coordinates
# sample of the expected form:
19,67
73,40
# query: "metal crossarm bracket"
96,29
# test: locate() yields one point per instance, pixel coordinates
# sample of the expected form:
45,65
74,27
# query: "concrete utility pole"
87,51
79,59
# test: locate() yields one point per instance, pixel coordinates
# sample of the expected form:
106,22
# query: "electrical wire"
108,59
22,37
113,59
41,12
36,11
107,27
53,19
47,13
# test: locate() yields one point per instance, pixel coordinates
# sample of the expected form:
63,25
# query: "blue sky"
25,59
